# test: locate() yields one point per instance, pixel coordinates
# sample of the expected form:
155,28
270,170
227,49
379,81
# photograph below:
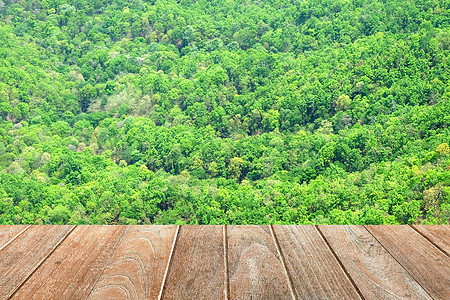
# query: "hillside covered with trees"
224,112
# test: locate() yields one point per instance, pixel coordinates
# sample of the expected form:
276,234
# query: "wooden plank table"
255,266
426,263
74,266
315,271
376,273
138,266
224,262
197,268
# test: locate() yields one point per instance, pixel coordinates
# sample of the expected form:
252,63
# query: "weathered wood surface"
21,257
9,232
224,262
375,272
315,272
429,266
197,269
74,267
256,270
137,269
439,235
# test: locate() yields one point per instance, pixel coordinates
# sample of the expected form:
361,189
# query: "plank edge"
225,261
15,237
42,261
428,239
339,262
406,270
169,261
283,262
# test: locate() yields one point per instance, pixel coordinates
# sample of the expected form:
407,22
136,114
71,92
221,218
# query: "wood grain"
197,269
315,272
428,265
255,268
301,262
439,235
8,232
23,255
376,273
137,269
74,267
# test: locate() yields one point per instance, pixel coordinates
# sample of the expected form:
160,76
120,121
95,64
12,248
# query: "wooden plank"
376,273
138,266
439,235
23,255
256,270
74,267
427,264
197,268
9,232
314,270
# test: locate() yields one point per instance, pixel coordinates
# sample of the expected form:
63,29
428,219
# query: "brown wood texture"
22,256
439,235
9,232
428,265
137,269
255,268
248,262
376,273
314,270
74,267
197,269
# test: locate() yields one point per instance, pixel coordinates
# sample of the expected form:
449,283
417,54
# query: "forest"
224,112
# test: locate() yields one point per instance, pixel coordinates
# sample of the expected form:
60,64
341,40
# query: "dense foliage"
224,111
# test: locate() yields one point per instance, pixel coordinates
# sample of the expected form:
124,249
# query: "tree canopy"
224,112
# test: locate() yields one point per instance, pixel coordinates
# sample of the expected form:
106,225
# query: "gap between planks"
340,262
428,239
426,291
169,261
15,237
225,262
280,254
40,264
